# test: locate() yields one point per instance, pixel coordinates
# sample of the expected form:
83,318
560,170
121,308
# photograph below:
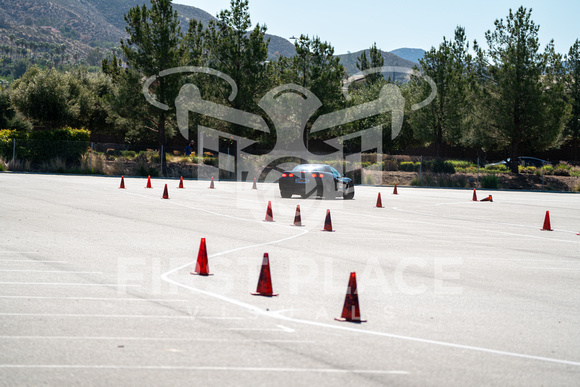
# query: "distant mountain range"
82,26
349,60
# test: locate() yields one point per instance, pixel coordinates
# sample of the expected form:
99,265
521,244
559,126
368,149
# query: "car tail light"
321,175
291,175
314,175
318,175
284,175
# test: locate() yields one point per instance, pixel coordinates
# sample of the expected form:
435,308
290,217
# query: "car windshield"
311,167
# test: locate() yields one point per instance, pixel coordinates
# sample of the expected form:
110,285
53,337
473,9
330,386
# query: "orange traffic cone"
254,186
474,196
211,184
265,280
297,218
269,215
122,186
547,226
201,267
379,201
395,190
487,199
149,182
351,310
328,222
180,182
165,193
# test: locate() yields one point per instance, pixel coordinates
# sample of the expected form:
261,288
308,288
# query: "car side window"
335,172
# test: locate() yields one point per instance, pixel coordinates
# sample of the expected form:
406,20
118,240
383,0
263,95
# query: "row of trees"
510,95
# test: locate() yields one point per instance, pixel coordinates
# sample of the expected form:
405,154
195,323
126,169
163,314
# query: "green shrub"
527,170
548,169
441,166
210,159
44,145
490,181
7,138
470,169
461,164
561,172
128,154
497,168
407,166
438,166
563,165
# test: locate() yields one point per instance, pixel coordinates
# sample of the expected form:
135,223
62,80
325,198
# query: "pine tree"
573,91
522,97
442,121
153,46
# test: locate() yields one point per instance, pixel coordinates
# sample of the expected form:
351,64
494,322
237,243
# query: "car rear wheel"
286,195
348,192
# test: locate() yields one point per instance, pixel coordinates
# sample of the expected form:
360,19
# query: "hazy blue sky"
355,25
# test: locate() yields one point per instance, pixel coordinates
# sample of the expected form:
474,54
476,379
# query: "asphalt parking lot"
95,286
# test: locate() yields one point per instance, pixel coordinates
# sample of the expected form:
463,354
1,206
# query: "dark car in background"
526,161
315,179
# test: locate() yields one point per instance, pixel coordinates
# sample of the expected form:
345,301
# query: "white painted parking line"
29,261
269,314
203,368
96,299
551,268
63,284
51,271
286,329
19,252
143,316
219,318
281,328
179,339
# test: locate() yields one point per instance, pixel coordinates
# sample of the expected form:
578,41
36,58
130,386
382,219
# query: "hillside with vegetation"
349,61
71,32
